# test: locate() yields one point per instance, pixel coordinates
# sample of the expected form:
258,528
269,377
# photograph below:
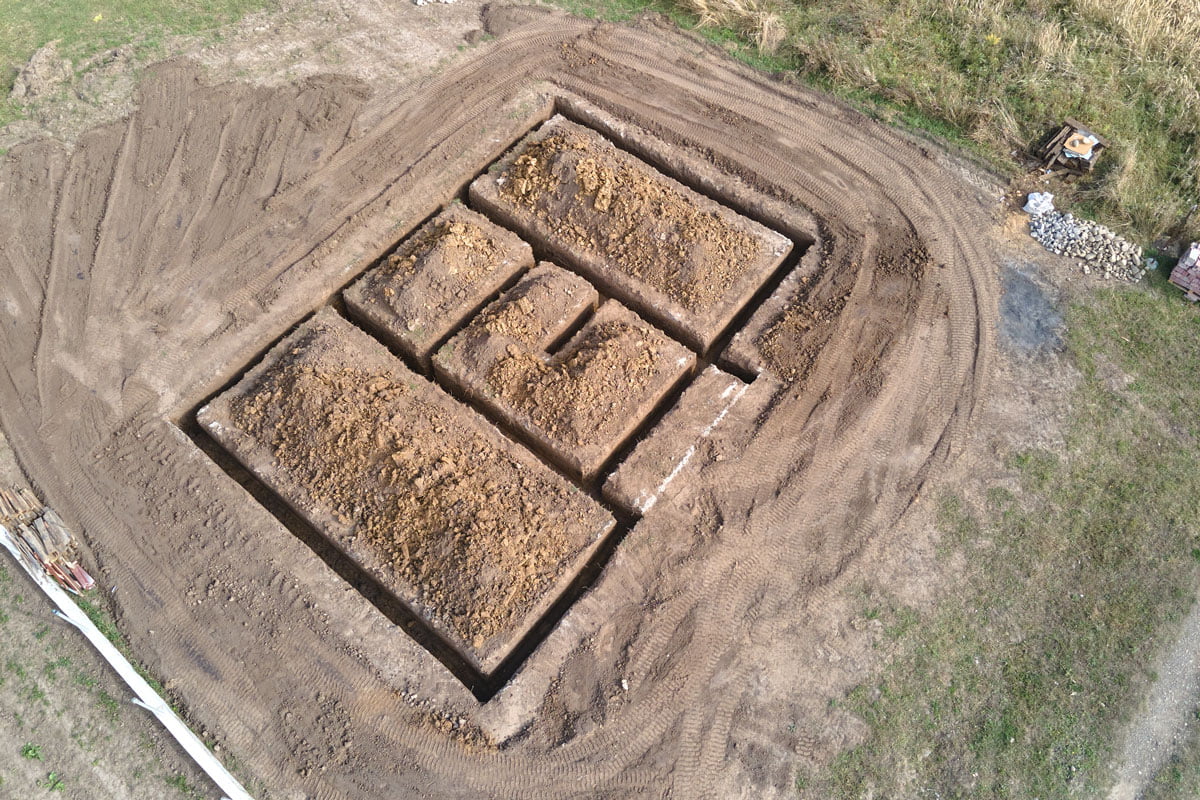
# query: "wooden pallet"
1054,152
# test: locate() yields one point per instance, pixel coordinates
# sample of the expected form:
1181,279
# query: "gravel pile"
1100,249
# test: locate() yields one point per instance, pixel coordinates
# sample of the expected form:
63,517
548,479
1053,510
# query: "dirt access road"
148,267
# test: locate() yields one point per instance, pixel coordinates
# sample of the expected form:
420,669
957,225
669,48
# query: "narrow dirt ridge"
144,268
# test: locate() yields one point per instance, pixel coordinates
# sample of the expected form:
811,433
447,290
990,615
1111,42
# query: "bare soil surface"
145,268
431,285
66,719
668,449
676,256
475,535
581,402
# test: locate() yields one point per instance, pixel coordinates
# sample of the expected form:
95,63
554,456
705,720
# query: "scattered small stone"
1100,249
44,73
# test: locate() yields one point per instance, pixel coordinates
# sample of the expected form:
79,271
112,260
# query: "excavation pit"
678,258
471,532
540,361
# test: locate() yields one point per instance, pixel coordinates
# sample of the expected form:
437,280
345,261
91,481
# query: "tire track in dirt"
868,243
218,236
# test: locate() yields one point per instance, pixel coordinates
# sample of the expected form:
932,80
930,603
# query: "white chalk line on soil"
648,503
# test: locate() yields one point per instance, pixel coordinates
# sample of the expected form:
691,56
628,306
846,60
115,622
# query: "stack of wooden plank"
42,537
1073,149
1186,274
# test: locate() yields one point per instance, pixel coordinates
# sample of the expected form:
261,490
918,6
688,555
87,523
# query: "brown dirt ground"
583,401
160,256
670,251
427,496
606,378
579,187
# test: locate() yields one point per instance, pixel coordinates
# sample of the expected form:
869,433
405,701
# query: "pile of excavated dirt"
428,287
419,489
640,224
700,661
655,244
581,403
602,384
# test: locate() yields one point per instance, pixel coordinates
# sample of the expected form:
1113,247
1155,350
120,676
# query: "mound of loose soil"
458,522
675,256
582,402
435,279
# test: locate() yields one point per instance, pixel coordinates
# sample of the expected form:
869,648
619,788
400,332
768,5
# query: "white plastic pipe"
146,697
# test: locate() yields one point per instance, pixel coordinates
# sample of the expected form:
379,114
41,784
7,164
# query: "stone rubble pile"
1100,249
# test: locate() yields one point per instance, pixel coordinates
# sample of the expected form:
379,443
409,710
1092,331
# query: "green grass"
53,782
110,705
1018,684
84,29
180,784
52,667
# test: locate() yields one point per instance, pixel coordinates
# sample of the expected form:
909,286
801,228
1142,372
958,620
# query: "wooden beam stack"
42,536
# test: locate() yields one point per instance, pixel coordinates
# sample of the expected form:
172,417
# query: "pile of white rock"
1096,246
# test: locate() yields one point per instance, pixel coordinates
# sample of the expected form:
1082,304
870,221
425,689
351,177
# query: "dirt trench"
147,267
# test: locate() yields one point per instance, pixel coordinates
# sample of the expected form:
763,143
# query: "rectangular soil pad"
474,534
676,257
436,279
579,403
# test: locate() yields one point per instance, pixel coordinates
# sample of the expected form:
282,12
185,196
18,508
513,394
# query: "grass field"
1017,686
83,29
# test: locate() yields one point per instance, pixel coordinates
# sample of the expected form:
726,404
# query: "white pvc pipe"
147,698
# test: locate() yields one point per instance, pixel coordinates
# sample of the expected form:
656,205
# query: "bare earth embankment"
149,267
